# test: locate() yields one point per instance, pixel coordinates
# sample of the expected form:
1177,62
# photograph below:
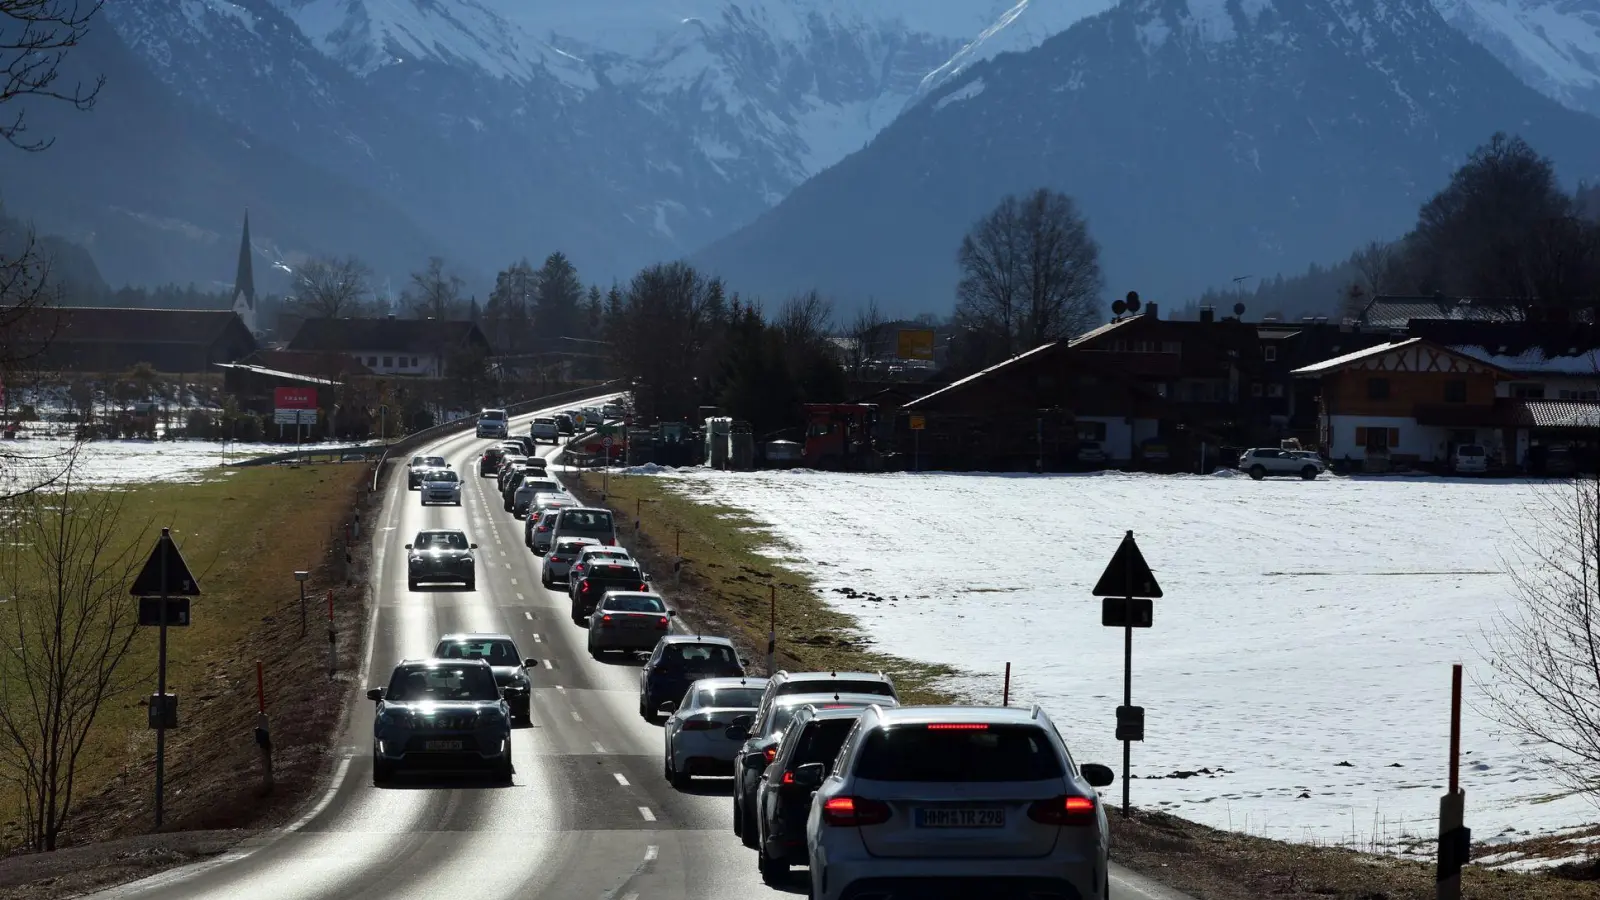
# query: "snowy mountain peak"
1021,28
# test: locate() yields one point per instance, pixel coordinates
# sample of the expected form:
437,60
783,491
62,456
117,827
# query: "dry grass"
726,589
242,537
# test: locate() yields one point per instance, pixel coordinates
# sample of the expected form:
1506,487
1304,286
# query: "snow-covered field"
130,462
1302,651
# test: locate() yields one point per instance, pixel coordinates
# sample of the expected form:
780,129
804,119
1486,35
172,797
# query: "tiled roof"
1397,312
1080,339
111,324
1562,413
396,335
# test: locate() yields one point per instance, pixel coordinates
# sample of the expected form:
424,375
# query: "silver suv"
955,801
493,423
441,714
1263,461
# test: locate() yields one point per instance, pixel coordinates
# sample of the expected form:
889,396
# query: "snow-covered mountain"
1553,45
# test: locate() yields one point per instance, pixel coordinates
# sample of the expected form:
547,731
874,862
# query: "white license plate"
961,818
443,745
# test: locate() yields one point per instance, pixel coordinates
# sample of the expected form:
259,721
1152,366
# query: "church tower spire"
244,280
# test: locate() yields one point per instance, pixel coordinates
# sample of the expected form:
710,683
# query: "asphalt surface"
589,815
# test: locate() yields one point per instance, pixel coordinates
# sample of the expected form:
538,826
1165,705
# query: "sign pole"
1005,696
1455,839
161,684
1127,688
772,633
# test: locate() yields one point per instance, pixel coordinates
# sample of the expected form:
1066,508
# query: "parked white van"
1471,458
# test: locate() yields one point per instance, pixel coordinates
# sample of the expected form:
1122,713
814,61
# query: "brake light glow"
958,726
586,585
644,588
605,620
854,811
1067,811
788,778
663,623
771,753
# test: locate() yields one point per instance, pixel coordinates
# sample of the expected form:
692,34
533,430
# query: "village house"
104,340
392,346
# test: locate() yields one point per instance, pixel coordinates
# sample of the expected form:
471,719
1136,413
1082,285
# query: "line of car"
829,770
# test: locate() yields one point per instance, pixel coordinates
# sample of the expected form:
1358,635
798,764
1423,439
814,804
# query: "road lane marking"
621,778
520,597
527,615
561,687
513,581
598,748
549,665
651,852
576,717
648,815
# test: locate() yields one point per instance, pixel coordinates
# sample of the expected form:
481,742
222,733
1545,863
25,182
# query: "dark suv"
783,800
680,660
611,575
489,462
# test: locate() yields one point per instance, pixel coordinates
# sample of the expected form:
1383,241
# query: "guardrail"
366,451
426,435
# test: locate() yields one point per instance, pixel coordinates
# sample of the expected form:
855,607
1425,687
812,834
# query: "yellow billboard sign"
915,344
918,423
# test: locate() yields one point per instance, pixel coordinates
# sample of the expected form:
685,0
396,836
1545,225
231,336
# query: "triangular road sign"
179,582
1128,575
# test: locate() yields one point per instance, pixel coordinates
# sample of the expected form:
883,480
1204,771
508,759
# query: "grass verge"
243,536
725,587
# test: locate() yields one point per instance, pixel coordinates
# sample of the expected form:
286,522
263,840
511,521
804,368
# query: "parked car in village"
1261,462
1091,453
1470,459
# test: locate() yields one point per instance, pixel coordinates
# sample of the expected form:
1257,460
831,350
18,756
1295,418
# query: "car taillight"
663,623
788,778
854,811
585,586
701,725
958,726
611,542
644,588
1067,810
771,753
605,620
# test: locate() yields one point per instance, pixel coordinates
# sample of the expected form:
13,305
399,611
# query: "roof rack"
1037,711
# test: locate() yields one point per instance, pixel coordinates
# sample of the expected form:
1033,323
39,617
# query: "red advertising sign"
294,398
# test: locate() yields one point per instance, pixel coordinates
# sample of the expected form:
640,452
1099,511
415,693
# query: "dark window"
585,520
442,684
820,742
1528,391
372,361
388,362
496,653
1455,391
730,698
413,362
633,604
836,686
698,656
1270,354
1377,388
924,753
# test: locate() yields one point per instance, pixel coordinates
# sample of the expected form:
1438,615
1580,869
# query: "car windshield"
698,656
633,604
441,540
414,684
585,520
441,475
494,651
1470,450
836,686
494,414
973,752
820,742
728,698
435,461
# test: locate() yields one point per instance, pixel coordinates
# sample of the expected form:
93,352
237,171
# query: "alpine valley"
1204,138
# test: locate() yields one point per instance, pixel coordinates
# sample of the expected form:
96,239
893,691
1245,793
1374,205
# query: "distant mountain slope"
1204,139
156,189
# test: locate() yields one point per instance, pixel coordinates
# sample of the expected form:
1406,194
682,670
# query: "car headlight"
396,717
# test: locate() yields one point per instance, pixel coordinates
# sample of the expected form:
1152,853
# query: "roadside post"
301,577
163,587
263,732
333,664
772,632
918,424
1127,587
1455,839
1005,695
605,474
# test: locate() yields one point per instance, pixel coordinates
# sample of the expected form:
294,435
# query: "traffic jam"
827,770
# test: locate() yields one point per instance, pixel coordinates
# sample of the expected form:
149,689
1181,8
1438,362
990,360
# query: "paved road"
589,816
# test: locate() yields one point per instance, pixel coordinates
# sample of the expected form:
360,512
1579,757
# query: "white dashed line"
631,895
513,581
520,597
549,665
648,815
508,565
536,638
598,748
527,615
651,852
621,778
576,717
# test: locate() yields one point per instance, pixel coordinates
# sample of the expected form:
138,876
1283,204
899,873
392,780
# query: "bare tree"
35,36
1545,655
866,333
1030,272
332,287
66,630
435,293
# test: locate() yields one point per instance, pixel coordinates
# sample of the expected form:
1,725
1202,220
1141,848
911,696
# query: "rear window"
585,519
610,571
544,421
698,656
729,698
1470,450
964,754
633,604
836,686
780,716
494,454
820,742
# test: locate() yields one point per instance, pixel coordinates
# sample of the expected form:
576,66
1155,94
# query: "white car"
696,732
980,800
1470,458
531,485
558,562
493,423
1264,461
544,428
441,486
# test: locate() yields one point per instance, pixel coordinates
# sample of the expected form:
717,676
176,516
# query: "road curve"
588,816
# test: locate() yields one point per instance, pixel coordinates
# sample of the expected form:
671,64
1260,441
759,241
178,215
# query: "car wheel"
738,818
680,780
748,833
1258,472
1309,473
503,769
382,770
772,870
472,584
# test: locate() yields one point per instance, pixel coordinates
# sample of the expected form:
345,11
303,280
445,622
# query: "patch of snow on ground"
134,461
1305,625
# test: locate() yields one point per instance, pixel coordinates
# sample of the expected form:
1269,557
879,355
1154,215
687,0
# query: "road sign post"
772,632
918,424
1455,839
1128,586
164,574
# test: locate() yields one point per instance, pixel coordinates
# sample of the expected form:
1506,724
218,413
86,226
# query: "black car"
565,425
489,462
441,556
611,575
500,652
420,464
680,660
783,799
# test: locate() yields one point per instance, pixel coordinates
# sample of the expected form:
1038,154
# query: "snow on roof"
1534,361
1338,362
1080,339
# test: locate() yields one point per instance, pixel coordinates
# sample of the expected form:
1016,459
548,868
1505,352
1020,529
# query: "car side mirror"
449,465
376,693
530,663
669,707
672,614
810,775
1097,775
743,661
472,546
737,733
408,546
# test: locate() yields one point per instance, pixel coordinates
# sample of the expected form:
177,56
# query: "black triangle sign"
1128,575
179,582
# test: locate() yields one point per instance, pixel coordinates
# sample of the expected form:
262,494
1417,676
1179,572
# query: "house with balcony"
392,346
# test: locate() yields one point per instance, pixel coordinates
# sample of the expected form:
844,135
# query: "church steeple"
244,280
